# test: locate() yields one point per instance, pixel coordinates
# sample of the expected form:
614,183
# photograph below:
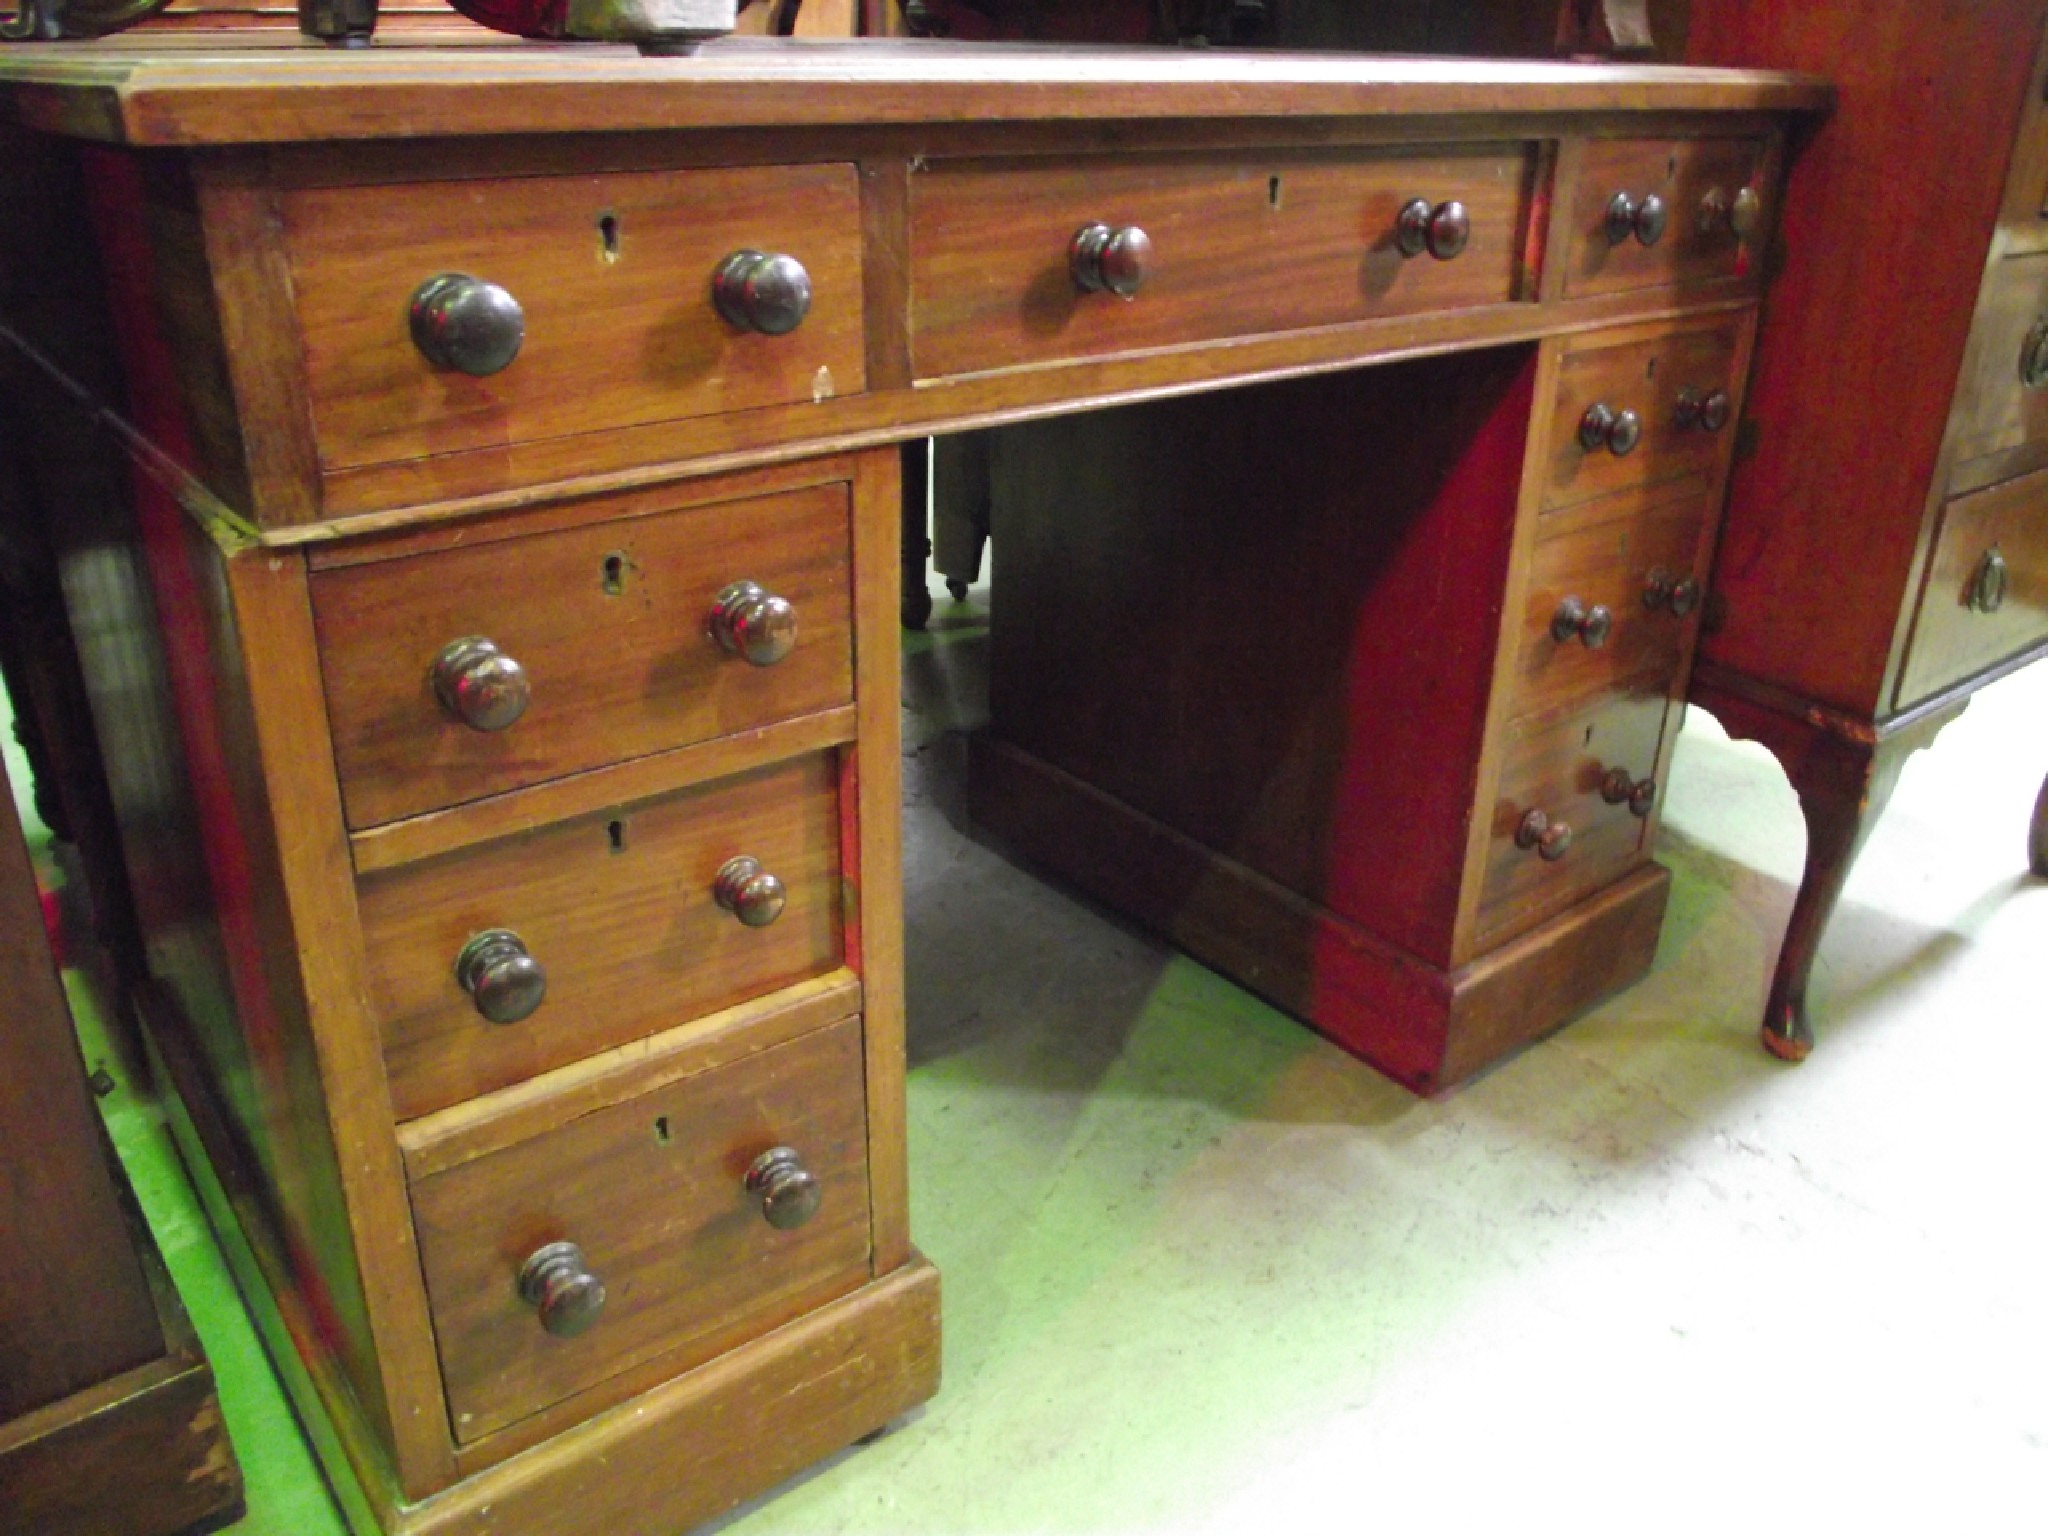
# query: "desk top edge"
190,91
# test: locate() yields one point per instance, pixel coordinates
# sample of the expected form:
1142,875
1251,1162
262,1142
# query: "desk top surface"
205,91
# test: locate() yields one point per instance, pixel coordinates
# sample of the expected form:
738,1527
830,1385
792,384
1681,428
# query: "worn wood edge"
357,1473
448,1138
702,446
520,811
699,1445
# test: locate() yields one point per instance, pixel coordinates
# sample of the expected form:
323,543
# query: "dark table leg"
2037,835
917,544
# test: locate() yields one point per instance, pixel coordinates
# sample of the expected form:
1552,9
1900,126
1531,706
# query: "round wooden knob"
1706,410
503,980
2034,356
1679,595
1590,625
1739,214
1106,260
556,1282
1987,588
788,1191
1604,427
1639,795
1643,219
749,892
762,291
479,684
1442,229
751,622
1549,838
464,323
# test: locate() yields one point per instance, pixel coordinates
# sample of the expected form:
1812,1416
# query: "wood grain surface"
1682,172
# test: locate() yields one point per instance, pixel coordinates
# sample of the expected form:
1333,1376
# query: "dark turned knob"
1591,625
558,1284
1106,260
1987,589
1639,795
1739,215
1604,427
479,684
788,1190
749,892
762,291
2034,356
1549,838
1645,220
1441,230
504,981
750,621
1707,411
467,324
1679,597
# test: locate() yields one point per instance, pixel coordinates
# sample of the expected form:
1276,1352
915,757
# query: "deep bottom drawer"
1986,596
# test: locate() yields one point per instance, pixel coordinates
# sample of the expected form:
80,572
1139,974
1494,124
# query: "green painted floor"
1206,1274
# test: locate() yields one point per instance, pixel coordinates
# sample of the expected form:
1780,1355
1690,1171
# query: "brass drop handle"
2034,356
464,323
1604,427
1639,795
1708,411
479,684
1549,838
1987,589
762,291
1106,260
1645,219
556,1282
749,892
1441,229
504,981
1591,626
749,621
1679,597
1737,215
788,1191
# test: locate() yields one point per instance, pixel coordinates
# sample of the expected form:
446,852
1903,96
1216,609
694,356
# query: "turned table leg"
2037,835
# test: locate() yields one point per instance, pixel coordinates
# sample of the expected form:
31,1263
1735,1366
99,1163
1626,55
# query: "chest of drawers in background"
489,596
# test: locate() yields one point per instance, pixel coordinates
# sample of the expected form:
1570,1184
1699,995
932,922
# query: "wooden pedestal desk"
489,591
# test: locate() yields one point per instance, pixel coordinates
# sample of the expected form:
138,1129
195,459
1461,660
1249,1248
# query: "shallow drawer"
653,1193
613,273
1987,587
1698,182
619,913
608,622
1254,243
1668,386
1562,772
1998,408
1614,594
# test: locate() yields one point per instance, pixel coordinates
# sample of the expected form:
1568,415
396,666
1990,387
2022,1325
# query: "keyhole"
1273,191
608,235
615,567
616,831
661,1129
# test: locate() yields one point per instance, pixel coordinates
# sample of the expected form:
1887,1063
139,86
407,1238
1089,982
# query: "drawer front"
653,1192
1256,243
608,622
1611,597
613,273
1698,182
1986,596
1998,408
1560,770
1657,380
618,911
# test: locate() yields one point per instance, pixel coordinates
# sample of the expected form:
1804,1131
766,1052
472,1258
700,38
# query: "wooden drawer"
1696,178
1996,409
1649,377
1953,633
614,275
1626,559
608,619
1559,769
617,909
653,1191
1250,244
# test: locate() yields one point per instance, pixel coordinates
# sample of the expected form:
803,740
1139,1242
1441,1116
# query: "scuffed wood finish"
617,907
1242,245
155,91
614,338
1683,173
1953,637
653,1190
615,674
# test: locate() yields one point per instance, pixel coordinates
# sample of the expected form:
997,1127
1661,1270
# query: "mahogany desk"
495,640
